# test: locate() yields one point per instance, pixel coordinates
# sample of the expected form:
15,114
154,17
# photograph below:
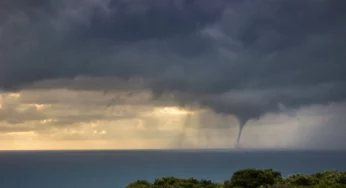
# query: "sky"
164,74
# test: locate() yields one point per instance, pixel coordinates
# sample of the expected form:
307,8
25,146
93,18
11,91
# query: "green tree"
139,184
253,178
302,180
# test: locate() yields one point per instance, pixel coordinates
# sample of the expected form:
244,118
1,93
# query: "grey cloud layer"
21,113
237,57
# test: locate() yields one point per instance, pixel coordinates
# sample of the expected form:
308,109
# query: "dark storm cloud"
89,37
129,21
237,57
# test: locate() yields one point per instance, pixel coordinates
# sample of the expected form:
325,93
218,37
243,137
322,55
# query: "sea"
116,169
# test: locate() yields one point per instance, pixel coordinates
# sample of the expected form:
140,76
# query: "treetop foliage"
253,178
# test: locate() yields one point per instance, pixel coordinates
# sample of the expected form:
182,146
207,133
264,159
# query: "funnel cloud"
242,58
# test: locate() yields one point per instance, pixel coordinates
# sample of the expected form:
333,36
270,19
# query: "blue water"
115,169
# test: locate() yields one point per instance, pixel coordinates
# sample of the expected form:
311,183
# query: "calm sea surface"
115,169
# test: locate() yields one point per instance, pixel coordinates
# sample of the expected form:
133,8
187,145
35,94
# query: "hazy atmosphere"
164,74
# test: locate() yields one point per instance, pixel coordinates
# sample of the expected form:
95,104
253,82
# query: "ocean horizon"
117,168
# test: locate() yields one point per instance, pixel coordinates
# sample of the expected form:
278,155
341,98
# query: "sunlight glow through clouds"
171,111
141,126
174,111
47,121
40,106
0,101
14,95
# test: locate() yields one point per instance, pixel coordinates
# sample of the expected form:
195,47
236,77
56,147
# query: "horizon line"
185,149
